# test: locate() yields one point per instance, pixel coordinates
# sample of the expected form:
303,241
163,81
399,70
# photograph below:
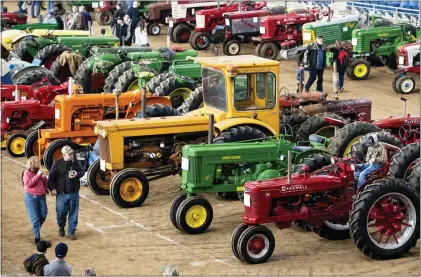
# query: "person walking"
86,18
35,5
64,182
141,35
130,30
23,7
315,58
35,185
59,267
35,263
341,58
50,5
120,31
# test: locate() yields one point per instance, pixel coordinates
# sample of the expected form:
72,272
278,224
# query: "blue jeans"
50,5
363,170
129,3
67,204
341,73
36,207
37,5
315,73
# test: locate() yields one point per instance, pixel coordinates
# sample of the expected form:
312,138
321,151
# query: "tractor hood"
8,36
235,150
396,122
19,104
8,91
299,184
342,107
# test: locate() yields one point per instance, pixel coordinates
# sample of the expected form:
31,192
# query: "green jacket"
35,263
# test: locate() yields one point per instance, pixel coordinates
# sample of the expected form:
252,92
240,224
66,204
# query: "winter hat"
61,250
43,245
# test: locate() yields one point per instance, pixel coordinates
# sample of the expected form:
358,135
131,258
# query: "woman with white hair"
35,185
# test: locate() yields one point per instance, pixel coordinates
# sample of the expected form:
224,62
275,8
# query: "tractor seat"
301,148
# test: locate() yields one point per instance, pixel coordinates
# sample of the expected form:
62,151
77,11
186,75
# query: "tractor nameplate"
231,157
293,187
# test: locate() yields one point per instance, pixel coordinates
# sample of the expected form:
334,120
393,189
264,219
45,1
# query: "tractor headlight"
262,30
8,120
282,157
247,201
353,167
401,60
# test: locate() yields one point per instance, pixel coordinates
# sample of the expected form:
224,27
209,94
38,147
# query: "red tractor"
42,91
207,20
240,27
382,217
281,32
10,19
409,64
104,11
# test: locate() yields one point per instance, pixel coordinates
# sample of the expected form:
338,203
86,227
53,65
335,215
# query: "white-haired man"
64,182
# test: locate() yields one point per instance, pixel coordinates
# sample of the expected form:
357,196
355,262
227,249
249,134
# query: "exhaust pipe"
404,106
117,94
17,94
289,167
143,112
211,126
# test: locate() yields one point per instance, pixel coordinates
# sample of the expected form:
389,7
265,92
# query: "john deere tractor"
101,72
378,46
46,49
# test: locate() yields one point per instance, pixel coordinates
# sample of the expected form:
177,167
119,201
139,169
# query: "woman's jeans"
36,207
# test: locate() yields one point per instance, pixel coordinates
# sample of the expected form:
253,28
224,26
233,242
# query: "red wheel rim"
184,35
269,52
201,41
256,245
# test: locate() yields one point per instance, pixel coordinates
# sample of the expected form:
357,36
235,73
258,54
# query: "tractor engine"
277,200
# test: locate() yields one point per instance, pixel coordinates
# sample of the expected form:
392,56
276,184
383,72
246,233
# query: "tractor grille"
330,33
196,169
57,121
104,149
254,210
175,9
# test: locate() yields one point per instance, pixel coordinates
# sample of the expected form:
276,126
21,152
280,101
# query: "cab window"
254,91
214,88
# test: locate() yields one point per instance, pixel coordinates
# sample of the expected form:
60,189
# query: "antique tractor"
47,49
223,169
101,72
409,64
156,14
74,121
134,152
281,32
30,111
183,19
382,217
104,12
43,91
207,20
11,19
378,46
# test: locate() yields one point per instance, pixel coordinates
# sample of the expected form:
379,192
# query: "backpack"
343,58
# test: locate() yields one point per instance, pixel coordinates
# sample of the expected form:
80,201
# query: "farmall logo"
411,121
293,187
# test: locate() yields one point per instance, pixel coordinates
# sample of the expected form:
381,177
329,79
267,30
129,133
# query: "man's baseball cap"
67,150
61,250
320,36
43,245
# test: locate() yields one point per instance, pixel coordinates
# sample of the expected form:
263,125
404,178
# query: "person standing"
141,35
315,58
35,263
75,19
59,267
23,7
300,78
35,185
120,30
50,5
86,18
64,182
35,4
117,14
341,58
134,14
129,36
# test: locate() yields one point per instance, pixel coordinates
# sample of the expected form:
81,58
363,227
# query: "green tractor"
101,72
224,169
378,46
46,49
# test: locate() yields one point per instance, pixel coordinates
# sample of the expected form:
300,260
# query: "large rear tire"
83,76
193,102
182,33
129,81
34,76
115,74
50,53
289,125
159,110
53,151
399,204
21,50
317,124
61,72
177,89
104,18
403,161
414,177
153,83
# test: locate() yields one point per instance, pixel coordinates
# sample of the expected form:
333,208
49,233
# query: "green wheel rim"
133,86
183,92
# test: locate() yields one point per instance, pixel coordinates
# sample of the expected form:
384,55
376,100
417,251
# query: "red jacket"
35,184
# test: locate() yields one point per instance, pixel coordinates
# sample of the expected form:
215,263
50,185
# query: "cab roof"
240,61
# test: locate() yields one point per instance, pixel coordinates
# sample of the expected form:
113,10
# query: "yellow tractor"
240,103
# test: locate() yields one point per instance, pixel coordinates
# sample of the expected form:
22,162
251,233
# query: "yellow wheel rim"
183,92
17,145
327,132
360,70
133,86
131,189
35,148
103,179
348,149
196,216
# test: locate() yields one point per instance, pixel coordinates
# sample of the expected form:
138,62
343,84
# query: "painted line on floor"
92,226
137,224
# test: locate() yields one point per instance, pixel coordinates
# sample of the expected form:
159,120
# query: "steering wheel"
286,92
404,131
287,130
348,107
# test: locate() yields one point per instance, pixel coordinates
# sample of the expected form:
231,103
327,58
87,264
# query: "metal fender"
8,36
19,38
268,174
231,122
298,159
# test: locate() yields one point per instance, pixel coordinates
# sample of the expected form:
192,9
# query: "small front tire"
256,244
129,188
194,215
15,145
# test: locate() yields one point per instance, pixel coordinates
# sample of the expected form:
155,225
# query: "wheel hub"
17,145
256,245
131,189
196,216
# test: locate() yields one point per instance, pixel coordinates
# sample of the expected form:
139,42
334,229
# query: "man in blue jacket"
315,58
